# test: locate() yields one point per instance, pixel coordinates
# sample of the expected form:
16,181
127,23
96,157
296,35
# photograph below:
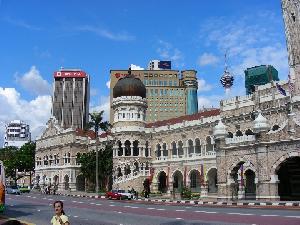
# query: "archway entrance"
80,183
250,186
289,179
177,181
162,179
195,181
212,180
66,182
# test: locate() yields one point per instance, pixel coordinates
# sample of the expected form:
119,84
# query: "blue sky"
38,37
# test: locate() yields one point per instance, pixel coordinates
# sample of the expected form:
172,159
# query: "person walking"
59,218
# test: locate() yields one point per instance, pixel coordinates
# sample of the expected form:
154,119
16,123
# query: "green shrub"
186,193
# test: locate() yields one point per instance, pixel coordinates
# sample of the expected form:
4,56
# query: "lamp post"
97,164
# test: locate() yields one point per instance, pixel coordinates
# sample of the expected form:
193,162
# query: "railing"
240,139
131,176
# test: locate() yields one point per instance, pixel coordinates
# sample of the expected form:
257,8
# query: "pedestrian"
59,218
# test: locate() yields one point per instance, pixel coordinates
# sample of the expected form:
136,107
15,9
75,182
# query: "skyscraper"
70,102
17,134
170,93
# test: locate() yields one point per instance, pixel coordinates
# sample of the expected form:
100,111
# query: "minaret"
291,16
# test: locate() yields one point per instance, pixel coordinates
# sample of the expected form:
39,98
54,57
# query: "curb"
198,202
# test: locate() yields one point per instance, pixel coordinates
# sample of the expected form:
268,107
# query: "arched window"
146,149
239,133
190,146
249,132
174,148
165,150
120,149
127,148
180,148
197,146
209,145
158,152
135,148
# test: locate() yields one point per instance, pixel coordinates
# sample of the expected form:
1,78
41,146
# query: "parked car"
24,189
113,194
12,190
125,194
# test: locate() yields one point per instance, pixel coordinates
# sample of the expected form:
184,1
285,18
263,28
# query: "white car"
12,190
126,194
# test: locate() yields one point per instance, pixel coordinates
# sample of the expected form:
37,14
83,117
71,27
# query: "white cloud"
203,86
207,59
248,45
123,36
209,101
167,52
103,105
93,91
35,112
33,82
108,84
136,67
21,23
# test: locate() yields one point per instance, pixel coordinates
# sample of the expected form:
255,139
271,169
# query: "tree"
96,123
25,158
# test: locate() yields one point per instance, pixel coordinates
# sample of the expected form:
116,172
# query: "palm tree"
96,123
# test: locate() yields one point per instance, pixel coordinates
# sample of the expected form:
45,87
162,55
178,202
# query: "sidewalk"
197,202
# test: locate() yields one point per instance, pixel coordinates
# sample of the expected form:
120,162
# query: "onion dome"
220,131
261,124
227,80
129,86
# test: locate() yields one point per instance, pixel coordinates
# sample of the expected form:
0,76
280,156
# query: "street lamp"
97,164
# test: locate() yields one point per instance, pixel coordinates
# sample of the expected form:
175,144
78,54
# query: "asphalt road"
37,209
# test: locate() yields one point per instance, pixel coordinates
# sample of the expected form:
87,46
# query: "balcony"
240,139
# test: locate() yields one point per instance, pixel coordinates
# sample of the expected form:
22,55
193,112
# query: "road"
37,209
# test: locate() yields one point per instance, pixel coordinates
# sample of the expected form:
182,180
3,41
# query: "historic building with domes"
249,148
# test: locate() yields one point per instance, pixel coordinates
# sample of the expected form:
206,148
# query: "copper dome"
129,86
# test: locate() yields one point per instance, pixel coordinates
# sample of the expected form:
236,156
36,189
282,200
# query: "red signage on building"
120,75
72,74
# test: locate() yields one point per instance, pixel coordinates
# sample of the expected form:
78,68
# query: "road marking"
33,197
161,209
92,203
80,202
150,208
269,215
293,217
119,212
74,201
50,199
38,210
180,210
241,214
134,207
98,204
111,205
75,216
201,211
210,212
44,198
187,207
178,218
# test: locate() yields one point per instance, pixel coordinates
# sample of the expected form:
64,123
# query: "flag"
291,85
164,65
280,89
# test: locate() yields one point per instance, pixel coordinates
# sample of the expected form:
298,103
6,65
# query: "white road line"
74,201
178,218
134,207
150,208
241,214
75,216
119,212
210,212
92,203
180,210
269,215
38,210
33,197
201,211
293,217
98,204
80,202
50,199
44,198
111,205
160,209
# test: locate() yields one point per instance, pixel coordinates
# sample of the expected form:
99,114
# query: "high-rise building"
170,93
159,65
259,75
17,134
70,101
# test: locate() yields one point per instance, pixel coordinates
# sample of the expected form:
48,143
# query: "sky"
39,37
